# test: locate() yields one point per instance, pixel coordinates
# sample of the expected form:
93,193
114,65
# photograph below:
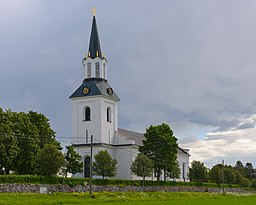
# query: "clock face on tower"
110,91
86,90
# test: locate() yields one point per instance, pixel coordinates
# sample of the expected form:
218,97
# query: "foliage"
8,144
36,179
142,166
198,172
73,162
215,174
28,143
249,171
160,145
22,135
49,160
104,165
45,133
174,171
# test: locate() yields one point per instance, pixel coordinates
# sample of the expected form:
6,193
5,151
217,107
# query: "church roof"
139,137
94,45
95,87
130,135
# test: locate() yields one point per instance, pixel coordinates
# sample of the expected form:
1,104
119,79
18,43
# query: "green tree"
45,132
216,173
28,142
49,160
198,172
8,144
174,171
73,161
160,145
249,171
229,175
240,167
104,165
142,166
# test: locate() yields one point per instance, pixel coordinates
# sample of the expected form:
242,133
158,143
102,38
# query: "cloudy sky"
189,63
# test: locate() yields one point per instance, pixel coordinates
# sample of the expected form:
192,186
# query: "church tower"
94,103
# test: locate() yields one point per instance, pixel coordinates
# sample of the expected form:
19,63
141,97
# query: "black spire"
94,45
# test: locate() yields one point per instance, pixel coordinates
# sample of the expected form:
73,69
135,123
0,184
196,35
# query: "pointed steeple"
94,45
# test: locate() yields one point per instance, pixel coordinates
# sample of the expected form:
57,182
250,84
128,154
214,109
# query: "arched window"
183,170
89,70
87,114
87,167
97,69
109,114
104,70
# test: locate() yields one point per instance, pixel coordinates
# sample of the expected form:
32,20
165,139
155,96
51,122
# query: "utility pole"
91,167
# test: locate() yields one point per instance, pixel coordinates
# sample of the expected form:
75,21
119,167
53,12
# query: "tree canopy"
160,145
73,161
142,166
198,172
104,165
49,160
22,135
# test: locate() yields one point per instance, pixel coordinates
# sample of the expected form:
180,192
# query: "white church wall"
80,126
107,127
183,159
125,157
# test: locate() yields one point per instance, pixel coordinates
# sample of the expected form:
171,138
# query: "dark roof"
94,45
139,137
97,87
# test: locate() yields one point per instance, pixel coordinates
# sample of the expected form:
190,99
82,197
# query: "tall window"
87,114
109,114
87,167
97,69
89,70
183,170
104,70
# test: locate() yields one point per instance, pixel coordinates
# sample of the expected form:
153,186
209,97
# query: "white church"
95,112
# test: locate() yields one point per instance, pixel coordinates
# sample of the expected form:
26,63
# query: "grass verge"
142,198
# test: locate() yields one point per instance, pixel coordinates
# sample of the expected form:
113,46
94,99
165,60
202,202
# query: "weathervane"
93,12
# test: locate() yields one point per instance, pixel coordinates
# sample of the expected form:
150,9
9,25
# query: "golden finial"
93,12
89,54
103,55
97,53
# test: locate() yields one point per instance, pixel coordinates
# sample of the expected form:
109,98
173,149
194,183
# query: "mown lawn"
142,198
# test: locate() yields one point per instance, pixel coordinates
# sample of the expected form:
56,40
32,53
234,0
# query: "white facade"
95,113
98,125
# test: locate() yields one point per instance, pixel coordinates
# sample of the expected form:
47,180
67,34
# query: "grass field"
130,198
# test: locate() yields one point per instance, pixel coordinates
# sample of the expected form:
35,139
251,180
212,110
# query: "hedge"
34,179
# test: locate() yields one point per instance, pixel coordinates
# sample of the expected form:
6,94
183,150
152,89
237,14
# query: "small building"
95,113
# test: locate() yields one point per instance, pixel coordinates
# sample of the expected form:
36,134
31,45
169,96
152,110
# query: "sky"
188,63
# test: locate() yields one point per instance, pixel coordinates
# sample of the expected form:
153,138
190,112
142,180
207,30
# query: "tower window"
87,114
104,70
97,69
109,114
89,70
